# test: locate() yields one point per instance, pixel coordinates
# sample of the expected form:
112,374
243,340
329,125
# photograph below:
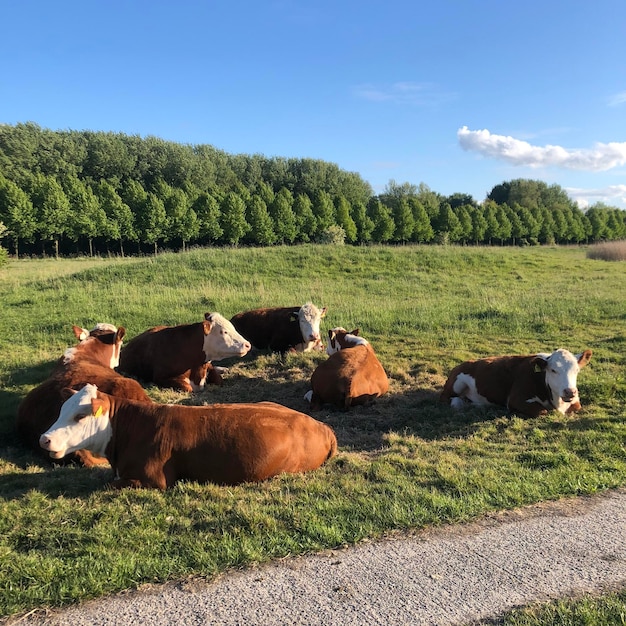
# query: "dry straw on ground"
609,251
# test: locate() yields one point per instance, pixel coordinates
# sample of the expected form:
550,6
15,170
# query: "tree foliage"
87,191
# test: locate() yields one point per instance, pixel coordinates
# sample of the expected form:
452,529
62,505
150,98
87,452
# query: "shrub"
333,234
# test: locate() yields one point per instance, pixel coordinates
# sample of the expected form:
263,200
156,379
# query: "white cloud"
603,156
403,93
608,195
617,99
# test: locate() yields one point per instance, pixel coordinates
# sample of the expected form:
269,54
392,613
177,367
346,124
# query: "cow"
179,357
156,445
282,329
351,375
530,385
90,361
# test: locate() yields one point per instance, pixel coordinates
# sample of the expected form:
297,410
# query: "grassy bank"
404,463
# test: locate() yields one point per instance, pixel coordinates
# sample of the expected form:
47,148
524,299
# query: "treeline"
64,192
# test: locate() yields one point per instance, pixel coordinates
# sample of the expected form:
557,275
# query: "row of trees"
88,192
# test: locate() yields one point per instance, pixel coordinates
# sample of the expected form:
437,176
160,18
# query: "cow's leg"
180,383
88,459
316,402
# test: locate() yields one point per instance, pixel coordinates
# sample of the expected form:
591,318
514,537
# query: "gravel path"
451,575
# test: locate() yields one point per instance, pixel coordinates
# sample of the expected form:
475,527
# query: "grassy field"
405,463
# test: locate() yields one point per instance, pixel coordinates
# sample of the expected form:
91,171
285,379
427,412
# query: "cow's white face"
77,428
222,340
561,371
309,318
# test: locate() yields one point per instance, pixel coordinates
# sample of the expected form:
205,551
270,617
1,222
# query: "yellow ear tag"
537,369
98,413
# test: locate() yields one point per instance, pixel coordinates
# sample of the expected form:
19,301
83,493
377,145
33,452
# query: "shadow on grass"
413,411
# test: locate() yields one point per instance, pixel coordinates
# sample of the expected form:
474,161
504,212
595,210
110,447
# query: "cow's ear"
121,333
67,393
355,332
99,406
206,327
539,364
80,333
583,358
323,312
293,317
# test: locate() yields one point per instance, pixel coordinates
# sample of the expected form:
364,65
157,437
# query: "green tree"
547,227
363,222
52,209
465,220
233,218
87,217
306,223
403,220
447,225
261,224
344,219
479,225
120,221
182,219
530,225
384,225
429,200
207,209
490,213
17,213
505,227
324,211
422,228
152,221
283,216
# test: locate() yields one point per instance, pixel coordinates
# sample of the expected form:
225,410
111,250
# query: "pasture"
404,463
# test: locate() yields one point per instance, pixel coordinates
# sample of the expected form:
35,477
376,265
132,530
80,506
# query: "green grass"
405,463
607,610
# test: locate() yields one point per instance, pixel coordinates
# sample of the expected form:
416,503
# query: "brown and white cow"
282,328
351,375
90,361
530,385
180,356
158,444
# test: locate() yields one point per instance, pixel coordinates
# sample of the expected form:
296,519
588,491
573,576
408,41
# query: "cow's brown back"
168,356
227,444
348,378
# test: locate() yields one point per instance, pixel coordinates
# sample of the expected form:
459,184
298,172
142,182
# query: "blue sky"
458,94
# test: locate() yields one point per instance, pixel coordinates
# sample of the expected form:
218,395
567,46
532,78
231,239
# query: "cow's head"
339,338
309,318
561,371
221,340
102,343
83,423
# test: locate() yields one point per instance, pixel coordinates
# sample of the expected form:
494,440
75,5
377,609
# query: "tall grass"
404,463
609,251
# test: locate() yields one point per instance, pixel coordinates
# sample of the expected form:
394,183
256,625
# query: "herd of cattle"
89,412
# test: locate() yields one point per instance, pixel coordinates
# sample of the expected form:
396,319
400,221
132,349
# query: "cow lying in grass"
91,361
351,375
283,328
155,445
180,356
530,385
